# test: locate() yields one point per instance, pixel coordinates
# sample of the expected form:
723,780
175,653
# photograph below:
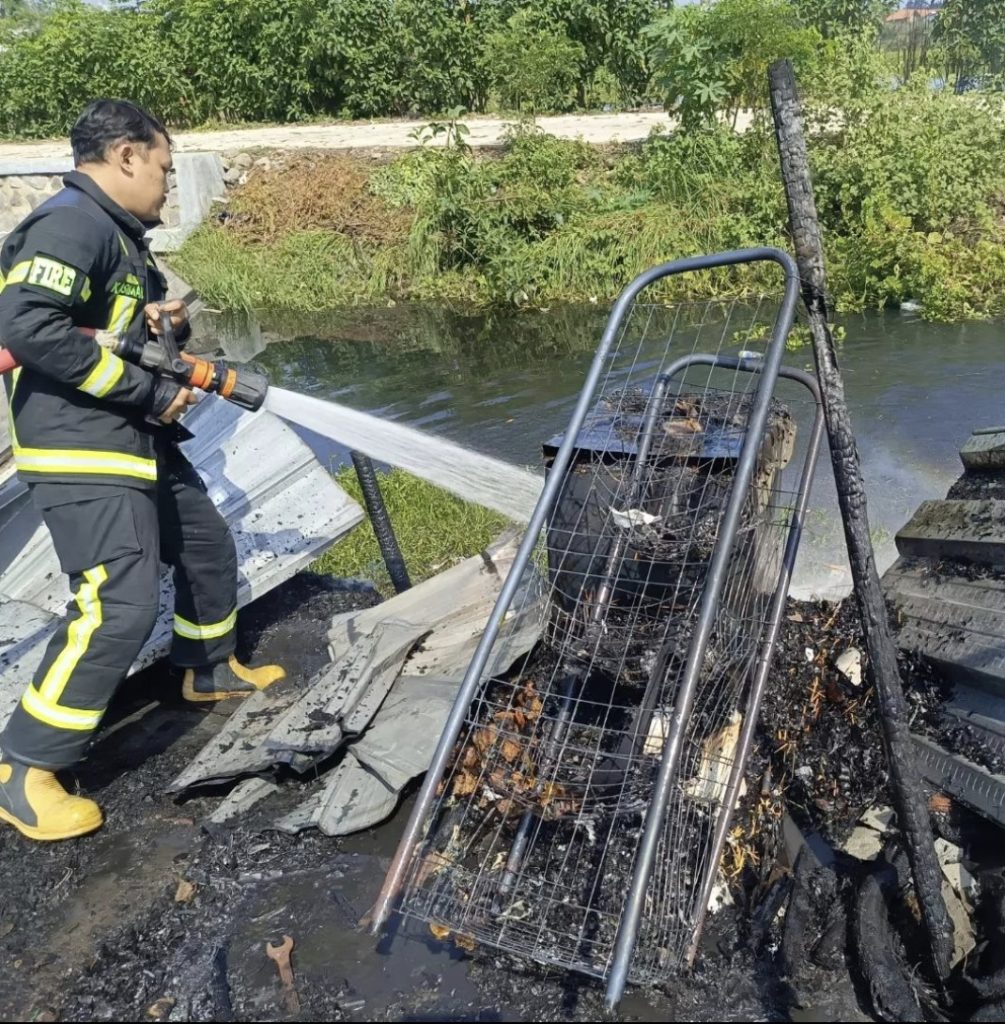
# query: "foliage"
240,61
315,192
911,42
916,151
532,64
971,38
306,271
198,61
838,17
910,205
16,8
713,59
610,34
78,53
909,185
438,46
849,71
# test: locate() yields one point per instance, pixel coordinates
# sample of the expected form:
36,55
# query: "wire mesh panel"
661,538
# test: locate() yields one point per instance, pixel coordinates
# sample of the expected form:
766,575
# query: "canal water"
505,383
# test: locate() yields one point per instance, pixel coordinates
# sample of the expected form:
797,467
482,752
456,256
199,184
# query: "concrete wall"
198,181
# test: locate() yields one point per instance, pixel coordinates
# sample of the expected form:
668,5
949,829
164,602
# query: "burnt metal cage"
577,808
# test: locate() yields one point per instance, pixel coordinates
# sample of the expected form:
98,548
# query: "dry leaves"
465,783
430,865
497,762
679,425
483,739
510,750
441,933
161,1009
185,892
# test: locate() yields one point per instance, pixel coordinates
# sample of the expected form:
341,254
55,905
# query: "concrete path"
484,131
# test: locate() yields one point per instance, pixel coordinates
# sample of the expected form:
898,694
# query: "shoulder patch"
45,272
130,287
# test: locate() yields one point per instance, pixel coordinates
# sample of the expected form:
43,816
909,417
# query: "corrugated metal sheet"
395,672
370,649
282,506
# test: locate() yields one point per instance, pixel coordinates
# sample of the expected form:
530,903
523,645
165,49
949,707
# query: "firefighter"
95,438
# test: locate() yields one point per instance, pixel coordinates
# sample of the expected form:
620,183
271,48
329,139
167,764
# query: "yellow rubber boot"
228,679
34,802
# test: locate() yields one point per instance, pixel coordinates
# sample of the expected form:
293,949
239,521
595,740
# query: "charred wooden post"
908,798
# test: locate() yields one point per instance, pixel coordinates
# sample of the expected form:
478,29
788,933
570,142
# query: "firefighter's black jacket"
78,411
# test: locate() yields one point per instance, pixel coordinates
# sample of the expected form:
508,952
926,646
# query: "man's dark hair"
105,122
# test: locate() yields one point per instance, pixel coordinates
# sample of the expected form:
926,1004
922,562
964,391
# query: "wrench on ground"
281,954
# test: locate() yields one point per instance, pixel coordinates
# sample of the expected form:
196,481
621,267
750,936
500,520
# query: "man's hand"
179,404
177,309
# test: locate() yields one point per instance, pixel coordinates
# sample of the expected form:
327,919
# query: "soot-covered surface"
156,913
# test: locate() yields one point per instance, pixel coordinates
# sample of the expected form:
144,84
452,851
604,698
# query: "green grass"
434,529
307,271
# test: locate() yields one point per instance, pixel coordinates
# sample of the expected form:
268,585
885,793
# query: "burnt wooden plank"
971,530
956,621
984,451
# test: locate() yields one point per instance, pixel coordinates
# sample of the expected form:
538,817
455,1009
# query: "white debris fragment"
659,726
964,938
810,655
849,664
867,838
878,818
589,827
959,890
720,897
718,754
951,861
518,911
633,517
864,843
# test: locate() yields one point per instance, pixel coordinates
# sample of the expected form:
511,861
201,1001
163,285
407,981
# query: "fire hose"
162,356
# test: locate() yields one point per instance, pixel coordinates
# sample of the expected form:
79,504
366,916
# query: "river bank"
912,208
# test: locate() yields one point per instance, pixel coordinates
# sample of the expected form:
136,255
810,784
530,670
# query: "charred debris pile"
543,807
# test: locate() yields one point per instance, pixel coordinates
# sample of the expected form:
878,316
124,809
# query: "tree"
712,59
835,16
12,8
533,64
910,38
971,35
439,48
609,33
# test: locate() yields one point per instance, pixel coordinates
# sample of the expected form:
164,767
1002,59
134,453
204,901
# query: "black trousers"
110,542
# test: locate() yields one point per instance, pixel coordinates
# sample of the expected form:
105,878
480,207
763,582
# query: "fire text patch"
49,273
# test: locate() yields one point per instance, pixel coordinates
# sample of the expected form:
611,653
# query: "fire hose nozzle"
242,387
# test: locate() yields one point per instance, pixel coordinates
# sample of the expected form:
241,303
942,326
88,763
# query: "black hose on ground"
223,1008
381,522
